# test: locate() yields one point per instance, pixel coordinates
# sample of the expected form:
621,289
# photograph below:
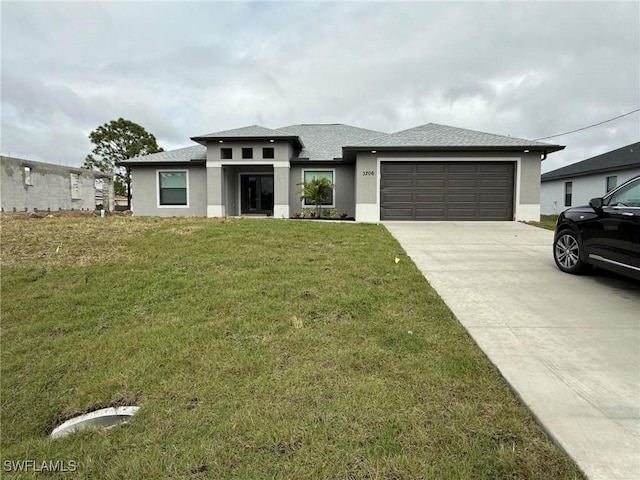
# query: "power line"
590,126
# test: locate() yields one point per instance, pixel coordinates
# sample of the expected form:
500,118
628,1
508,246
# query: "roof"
253,132
620,159
196,153
433,135
325,141
322,142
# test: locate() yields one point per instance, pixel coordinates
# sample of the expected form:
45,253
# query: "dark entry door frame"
256,193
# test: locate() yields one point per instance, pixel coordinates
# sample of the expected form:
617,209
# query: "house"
578,183
29,186
430,172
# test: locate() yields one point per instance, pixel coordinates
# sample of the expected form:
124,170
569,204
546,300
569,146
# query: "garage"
446,191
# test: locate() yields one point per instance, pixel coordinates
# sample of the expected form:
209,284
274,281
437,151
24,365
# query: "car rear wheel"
566,252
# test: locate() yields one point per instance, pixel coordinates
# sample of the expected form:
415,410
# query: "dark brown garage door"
446,191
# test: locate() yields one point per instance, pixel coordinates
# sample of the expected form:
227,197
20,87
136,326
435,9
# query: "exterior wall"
526,184
144,201
584,188
281,151
50,187
344,195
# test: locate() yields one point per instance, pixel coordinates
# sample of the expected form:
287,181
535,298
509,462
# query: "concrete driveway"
568,345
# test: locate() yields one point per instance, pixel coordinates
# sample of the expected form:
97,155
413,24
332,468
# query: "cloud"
526,69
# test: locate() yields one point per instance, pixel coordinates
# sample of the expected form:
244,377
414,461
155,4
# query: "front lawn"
255,348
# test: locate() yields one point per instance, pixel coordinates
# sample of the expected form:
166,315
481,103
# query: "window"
611,182
226,153
311,174
172,188
628,196
75,186
247,152
27,176
568,190
268,152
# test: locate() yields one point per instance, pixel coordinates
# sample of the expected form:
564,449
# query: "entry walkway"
568,345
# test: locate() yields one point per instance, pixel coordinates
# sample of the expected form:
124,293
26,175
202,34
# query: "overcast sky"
525,69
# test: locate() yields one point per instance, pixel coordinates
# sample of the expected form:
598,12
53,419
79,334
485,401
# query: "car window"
628,196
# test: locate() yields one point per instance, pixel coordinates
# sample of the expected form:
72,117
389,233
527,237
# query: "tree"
116,141
316,192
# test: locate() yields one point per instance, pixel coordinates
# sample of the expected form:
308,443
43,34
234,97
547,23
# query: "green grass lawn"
546,221
256,349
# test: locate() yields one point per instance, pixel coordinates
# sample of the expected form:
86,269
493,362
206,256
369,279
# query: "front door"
256,194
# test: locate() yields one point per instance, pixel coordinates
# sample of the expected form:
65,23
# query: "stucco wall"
144,200
583,189
49,189
282,151
344,199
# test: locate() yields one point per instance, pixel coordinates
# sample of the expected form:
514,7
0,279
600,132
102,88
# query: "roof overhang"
306,162
138,163
293,139
564,176
349,152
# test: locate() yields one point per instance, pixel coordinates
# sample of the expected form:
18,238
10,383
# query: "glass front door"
256,194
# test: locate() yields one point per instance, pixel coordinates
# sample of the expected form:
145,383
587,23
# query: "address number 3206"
367,173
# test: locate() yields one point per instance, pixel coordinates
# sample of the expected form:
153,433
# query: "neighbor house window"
75,186
172,188
311,174
247,153
226,153
27,176
568,190
268,152
611,182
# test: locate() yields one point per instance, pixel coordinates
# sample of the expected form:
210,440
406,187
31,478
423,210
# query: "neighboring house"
578,183
28,186
430,172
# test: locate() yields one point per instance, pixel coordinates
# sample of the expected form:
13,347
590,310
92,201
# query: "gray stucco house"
430,172
578,183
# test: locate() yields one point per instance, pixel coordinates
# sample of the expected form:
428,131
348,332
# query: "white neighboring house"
578,183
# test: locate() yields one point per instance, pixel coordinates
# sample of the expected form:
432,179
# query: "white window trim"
162,170
319,169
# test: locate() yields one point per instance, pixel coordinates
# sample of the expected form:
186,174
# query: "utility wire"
590,126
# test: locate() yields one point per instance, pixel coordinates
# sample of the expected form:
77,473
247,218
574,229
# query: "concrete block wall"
48,189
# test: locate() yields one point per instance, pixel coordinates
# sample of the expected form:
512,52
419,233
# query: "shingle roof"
325,141
252,131
620,159
186,154
436,135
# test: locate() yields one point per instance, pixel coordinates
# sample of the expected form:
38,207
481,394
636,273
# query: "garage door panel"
430,168
430,214
456,182
461,168
399,198
493,198
495,183
430,183
429,198
398,182
402,168
446,191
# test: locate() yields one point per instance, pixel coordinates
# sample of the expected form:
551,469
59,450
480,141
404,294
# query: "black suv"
605,234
